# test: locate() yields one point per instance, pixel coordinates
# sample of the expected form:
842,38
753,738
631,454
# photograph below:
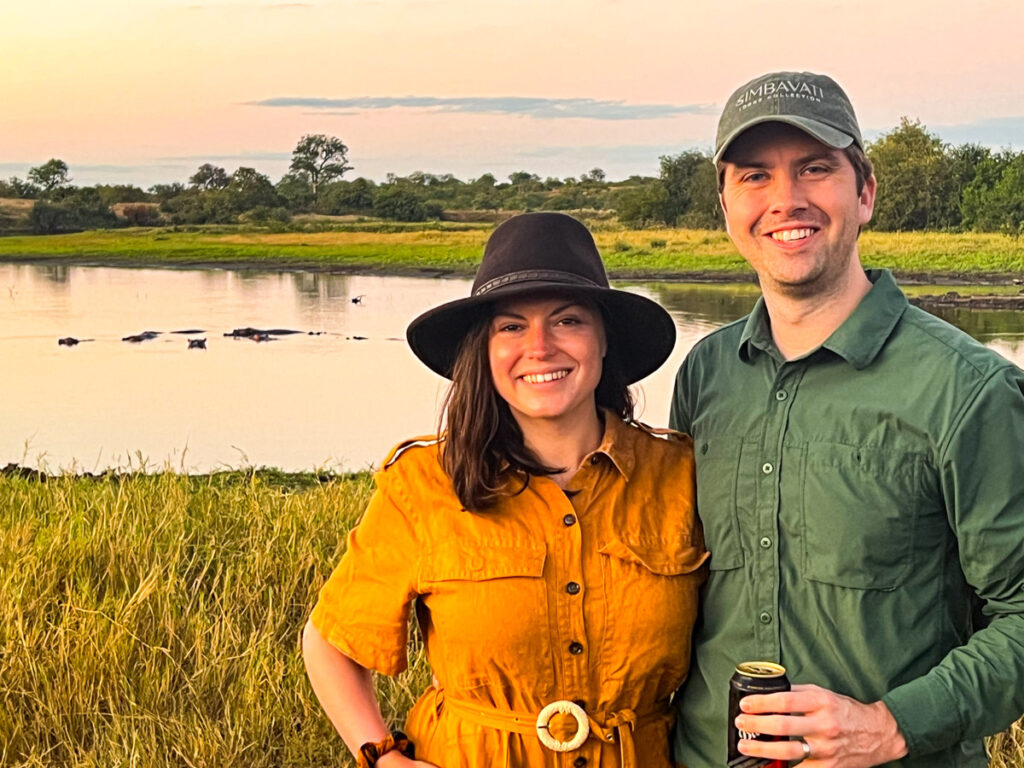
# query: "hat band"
533,275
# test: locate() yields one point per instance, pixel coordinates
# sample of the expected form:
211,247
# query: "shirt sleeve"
363,609
679,413
978,688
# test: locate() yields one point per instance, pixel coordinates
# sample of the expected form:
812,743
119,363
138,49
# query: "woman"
550,544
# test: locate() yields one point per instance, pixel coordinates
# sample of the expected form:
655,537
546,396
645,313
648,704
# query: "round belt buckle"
566,708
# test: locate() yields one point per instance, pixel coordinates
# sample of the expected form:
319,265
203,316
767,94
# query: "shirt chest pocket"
718,461
859,511
487,604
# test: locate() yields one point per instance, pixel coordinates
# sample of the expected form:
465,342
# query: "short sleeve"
363,609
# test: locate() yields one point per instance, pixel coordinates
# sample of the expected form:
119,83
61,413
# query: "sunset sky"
144,91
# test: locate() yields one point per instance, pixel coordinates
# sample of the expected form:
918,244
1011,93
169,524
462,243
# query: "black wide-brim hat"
536,253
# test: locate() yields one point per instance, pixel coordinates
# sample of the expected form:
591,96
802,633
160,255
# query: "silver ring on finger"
806,748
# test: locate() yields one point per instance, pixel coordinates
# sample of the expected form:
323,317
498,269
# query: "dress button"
569,520
767,468
765,617
765,542
572,588
575,648
781,395
579,762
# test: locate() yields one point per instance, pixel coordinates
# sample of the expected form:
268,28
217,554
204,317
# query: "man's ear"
725,212
867,199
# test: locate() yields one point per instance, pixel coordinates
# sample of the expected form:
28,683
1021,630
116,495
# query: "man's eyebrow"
752,162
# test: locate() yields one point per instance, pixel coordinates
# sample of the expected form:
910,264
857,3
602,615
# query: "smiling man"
860,473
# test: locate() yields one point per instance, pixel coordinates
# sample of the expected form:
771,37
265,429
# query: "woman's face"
546,356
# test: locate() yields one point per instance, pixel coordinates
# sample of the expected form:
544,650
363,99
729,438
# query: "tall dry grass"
153,620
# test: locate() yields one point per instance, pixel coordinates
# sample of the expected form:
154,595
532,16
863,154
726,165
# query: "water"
300,402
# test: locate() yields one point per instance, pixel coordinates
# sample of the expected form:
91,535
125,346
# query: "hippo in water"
197,343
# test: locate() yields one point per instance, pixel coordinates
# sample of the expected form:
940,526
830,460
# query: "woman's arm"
345,691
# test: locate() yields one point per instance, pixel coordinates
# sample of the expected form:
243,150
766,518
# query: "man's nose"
788,195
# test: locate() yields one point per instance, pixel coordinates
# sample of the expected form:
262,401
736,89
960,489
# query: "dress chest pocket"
718,461
859,510
487,603
652,588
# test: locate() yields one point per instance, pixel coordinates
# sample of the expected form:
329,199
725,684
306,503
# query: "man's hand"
841,732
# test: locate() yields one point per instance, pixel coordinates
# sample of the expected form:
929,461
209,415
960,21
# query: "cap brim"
826,134
644,329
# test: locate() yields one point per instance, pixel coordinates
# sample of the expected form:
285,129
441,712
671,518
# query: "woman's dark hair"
483,448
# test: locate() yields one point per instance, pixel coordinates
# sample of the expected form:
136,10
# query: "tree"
915,189
50,175
209,177
679,175
249,188
322,158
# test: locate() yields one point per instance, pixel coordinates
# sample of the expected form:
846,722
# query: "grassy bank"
154,621
456,249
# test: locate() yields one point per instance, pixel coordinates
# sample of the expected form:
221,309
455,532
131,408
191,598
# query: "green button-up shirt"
864,509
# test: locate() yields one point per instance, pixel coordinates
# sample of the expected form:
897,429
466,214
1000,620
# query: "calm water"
335,400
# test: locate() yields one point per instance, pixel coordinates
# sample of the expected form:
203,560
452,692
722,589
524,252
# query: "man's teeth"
785,235
539,378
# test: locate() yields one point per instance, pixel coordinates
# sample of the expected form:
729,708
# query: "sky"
145,91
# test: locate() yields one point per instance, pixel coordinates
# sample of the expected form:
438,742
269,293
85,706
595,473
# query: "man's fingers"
773,750
776,725
805,700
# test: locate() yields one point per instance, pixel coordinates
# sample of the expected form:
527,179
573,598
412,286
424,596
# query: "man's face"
792,209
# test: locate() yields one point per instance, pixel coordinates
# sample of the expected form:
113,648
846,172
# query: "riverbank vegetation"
923,184
455,248
154,620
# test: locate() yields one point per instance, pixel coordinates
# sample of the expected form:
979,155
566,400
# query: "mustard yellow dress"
586,595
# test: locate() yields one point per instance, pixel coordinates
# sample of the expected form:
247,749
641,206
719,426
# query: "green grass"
153,620
456,248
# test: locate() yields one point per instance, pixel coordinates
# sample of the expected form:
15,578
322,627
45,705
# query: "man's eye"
755,176
814,170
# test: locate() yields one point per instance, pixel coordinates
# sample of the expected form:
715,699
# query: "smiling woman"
550,544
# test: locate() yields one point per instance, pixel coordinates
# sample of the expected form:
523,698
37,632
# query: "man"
860,473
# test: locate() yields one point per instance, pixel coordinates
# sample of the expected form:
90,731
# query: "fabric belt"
617,726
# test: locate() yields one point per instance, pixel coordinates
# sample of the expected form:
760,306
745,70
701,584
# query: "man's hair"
862,168
483,449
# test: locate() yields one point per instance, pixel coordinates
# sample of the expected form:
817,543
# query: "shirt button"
579,762
704,448
569,520
767,468
781,395
572,588
765,542
595,459
575,648
765,617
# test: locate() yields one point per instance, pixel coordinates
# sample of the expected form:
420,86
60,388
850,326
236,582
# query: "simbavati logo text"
779,89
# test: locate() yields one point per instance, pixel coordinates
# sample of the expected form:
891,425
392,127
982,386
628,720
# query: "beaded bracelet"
371,751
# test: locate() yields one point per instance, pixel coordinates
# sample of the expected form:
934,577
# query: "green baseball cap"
813,103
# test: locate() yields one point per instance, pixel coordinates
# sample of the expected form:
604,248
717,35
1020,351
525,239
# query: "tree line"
923,184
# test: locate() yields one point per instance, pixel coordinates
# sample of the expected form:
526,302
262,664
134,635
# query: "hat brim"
826,134
642,331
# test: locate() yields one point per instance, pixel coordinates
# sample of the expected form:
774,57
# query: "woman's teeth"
539,378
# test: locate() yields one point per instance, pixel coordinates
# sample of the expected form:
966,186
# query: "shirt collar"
618,443
858,340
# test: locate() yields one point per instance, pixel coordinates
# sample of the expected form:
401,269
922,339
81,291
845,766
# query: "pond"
336,396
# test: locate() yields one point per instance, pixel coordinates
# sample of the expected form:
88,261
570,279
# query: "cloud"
524,106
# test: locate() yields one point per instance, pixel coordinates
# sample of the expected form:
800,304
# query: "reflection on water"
339,399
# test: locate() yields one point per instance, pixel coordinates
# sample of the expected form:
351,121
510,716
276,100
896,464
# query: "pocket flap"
657,557
468,561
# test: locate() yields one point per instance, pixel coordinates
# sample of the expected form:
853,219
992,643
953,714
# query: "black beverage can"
752,677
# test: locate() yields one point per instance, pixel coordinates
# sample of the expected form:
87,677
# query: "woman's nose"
538,339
